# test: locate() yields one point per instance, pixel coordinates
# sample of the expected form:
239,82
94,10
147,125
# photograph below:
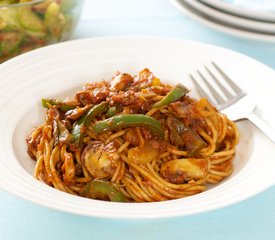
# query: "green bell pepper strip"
85,120
55,102
112,111
129,120
177,92
103,191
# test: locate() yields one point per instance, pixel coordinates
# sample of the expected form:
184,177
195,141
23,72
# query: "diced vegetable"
54,20
9,42
30,22
9,18
129,120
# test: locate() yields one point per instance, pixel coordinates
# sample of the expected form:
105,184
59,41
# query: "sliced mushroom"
145,153
100,160
180,170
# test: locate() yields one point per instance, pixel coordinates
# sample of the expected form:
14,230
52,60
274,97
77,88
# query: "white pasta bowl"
60,70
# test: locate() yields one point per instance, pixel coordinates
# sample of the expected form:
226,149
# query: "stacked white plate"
254,19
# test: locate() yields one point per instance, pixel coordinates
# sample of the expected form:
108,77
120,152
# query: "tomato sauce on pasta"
132,139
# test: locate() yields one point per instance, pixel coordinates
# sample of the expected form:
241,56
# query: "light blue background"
250,219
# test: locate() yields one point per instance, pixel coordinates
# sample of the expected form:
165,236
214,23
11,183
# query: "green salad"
29,24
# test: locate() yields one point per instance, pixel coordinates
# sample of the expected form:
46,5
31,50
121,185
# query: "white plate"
241,10
234,21
59,70
212,22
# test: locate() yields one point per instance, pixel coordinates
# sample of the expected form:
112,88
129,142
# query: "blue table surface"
251,219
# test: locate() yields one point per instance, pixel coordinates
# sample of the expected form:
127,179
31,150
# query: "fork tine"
200,90
215,94
198,87
235,87
221,86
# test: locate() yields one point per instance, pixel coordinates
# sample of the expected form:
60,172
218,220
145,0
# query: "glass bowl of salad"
30,24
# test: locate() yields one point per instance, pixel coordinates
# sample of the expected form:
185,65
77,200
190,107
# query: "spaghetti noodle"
132,139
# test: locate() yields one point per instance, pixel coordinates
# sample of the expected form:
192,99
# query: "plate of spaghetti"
115,128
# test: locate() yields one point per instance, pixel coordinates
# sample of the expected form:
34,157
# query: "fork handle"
263,126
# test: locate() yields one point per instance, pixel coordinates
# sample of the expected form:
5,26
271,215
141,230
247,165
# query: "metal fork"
230,99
